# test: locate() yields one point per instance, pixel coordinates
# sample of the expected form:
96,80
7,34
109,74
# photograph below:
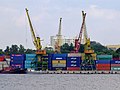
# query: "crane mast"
36,40
59,39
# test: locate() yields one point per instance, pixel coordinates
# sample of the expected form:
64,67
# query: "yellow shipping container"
58,61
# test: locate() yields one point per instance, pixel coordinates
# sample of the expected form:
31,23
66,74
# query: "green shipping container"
115,68
104,57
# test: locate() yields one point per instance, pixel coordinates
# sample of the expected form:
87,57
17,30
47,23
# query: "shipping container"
59,55
73,58
18,65
103,65
115,61
58,65
58,61
102,61
112,65
2,58
118,58
31,57
115,68
74,55
73,68
73,64
17,57
104,57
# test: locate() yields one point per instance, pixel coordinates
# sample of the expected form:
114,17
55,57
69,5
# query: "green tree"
7,50
49,50
65,48
71,47
1,51
29,51
21,49
14,49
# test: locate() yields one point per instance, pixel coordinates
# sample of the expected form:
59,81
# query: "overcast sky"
102,21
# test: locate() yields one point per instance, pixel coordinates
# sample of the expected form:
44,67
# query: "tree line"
65,48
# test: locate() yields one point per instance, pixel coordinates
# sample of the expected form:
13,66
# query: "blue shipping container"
73,58
31,57
115,61
73,61
18,65
59,58
17,57
102,61
73,65
59,55
17,62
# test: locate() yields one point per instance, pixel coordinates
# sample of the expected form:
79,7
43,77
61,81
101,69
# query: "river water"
59,82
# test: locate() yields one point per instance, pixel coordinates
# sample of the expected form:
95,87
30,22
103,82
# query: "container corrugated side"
74,55
118,65
104,57
73,68
58,61
102,61
58,65
115,61
59,55
115,68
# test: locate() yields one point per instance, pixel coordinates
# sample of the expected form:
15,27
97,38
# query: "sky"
102,20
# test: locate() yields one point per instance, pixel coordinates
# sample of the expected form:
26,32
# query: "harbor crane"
88,62
37,44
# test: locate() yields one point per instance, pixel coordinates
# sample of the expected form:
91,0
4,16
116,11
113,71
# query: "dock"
73,72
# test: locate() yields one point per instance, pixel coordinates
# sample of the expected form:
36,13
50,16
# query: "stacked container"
73,61
59,61
29,62
45,59
115,65
104,57
103,62
17,60
2,58
50,62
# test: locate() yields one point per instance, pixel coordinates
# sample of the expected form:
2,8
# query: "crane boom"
36,40
78,41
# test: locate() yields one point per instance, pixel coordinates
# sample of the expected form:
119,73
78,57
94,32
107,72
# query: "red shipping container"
73,68
116,58
117,65
103,67
7,56
2,58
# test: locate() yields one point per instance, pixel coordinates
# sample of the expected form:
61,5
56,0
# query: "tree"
21,49
7,50
14,49
49,50
65,48
29,51
71,47
1,51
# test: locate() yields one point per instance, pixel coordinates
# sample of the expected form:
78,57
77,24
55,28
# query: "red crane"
78,40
